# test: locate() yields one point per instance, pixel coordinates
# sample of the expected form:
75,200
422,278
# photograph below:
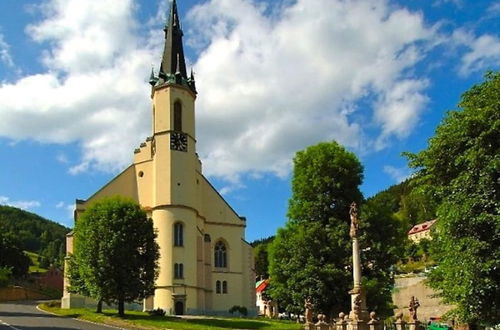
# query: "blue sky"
273,77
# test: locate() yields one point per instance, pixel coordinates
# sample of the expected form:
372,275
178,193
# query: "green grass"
35,267
143,320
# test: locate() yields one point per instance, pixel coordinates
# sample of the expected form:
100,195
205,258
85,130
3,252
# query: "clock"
178,141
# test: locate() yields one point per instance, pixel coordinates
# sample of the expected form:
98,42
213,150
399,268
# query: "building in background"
421,231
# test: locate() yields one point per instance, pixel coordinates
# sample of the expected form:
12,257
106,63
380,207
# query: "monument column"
359,313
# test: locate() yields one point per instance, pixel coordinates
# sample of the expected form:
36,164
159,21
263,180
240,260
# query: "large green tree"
461,166
115,252
310,254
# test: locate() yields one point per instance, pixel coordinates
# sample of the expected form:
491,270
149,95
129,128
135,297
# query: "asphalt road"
23,315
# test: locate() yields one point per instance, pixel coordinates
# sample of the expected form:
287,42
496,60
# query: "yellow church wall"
124,184
145,180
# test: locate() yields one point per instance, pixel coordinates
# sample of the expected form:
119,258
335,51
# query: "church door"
179,308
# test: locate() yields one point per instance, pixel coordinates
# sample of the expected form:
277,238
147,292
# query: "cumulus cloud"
271,85
93,90
482,53
25,205
399,174
271,80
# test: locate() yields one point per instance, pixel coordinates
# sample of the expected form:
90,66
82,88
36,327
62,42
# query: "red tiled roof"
261,286
421,227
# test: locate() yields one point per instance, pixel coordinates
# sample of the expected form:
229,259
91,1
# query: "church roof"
173,63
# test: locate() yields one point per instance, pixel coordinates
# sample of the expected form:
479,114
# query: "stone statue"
353,212
412,307
308,305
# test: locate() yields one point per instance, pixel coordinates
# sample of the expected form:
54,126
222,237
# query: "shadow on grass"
230,324
209,322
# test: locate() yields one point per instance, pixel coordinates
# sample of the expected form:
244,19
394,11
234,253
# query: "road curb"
81,320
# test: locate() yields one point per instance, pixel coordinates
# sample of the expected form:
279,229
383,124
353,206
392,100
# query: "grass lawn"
141,320
35,267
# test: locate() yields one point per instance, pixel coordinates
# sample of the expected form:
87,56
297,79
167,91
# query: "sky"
273,77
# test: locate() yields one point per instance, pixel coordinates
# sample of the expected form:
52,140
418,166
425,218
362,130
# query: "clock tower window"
177,116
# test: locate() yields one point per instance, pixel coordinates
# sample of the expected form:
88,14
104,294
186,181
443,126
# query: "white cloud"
60,205
25,205
399,174
94,89
268,85
482,53
5,56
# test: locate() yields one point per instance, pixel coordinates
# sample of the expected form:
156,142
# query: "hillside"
35,234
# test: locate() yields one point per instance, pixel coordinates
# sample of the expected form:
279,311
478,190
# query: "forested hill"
34,233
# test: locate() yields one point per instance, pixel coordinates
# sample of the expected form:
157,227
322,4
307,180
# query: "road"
23,315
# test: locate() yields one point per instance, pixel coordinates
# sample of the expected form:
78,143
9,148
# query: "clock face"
178,141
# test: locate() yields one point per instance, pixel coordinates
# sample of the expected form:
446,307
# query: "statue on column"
353,212
308,305
412,307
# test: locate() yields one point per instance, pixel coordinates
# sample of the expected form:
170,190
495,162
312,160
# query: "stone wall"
13,293
407,286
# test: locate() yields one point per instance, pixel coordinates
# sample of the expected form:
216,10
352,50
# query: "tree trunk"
121,307
99,306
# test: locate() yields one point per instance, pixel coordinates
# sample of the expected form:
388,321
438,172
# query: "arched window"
178,271
220,255
178,234
177,116
224,286
217,287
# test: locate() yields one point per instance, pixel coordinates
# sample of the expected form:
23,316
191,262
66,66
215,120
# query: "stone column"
400,324
321,324
341,324
358,296
374,323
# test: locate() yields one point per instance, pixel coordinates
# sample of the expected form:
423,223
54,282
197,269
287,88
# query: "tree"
310,255
261,255
115,253
12,256
462,164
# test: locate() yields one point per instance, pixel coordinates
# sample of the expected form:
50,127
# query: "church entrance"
179,308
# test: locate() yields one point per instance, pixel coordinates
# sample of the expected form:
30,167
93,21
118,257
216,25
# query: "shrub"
242,310
157,312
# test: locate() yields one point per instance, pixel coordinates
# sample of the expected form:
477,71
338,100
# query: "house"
421,231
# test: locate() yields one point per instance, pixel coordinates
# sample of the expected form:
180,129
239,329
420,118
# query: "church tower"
205,264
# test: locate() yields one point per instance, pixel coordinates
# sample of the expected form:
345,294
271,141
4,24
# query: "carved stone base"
358,304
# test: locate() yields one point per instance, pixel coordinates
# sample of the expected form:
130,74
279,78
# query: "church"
205,264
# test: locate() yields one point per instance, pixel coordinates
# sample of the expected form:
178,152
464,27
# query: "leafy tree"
382,240
462,163
261,255
12,256
115,258
309,256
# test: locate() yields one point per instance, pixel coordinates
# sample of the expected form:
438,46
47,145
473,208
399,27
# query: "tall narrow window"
177,116
178,271
217,287
224,286
178,234
220,255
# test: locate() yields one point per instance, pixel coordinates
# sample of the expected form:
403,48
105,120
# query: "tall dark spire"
173,47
